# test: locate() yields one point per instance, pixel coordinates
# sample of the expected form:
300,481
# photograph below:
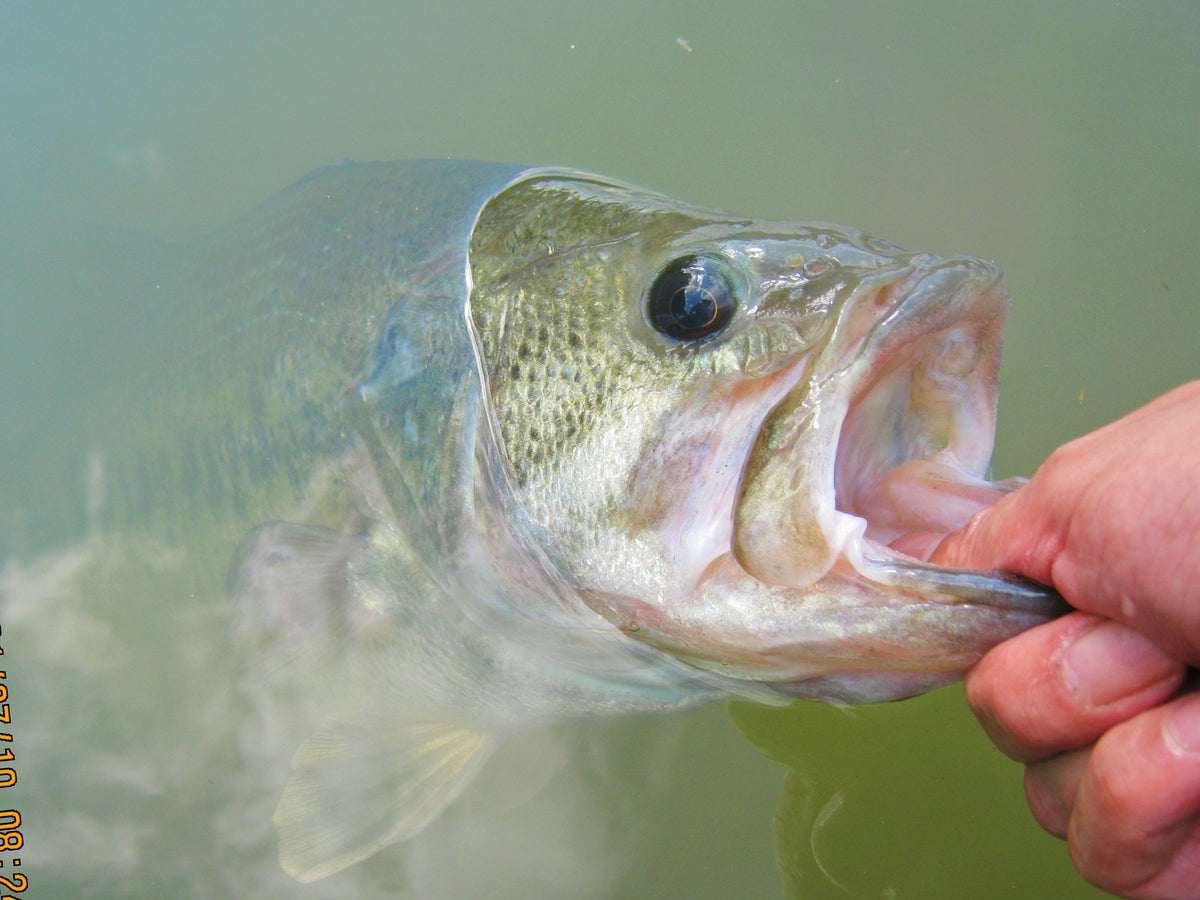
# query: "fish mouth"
889,430
883,442
917,433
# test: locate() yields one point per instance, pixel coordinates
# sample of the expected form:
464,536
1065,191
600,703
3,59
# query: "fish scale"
420,462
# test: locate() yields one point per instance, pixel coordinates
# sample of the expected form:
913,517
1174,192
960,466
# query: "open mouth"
880,436
917,435
886,441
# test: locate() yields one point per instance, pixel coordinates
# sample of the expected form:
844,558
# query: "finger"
1061,685
1109,521
1051,786
1135,826
1018,533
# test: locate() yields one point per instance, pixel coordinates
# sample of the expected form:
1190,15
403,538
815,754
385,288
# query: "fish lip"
943,298
930,326
942,290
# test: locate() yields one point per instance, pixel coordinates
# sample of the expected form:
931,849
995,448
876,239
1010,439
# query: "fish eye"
692,298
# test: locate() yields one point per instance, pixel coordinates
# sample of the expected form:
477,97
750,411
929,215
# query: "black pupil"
691,299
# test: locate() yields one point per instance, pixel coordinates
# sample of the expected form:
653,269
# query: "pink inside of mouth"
923,501
918,544
923,495
914,443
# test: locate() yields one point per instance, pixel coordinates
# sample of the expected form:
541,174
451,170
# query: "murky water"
1061,140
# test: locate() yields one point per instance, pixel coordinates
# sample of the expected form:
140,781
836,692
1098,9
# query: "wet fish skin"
477,490
676,484
580,503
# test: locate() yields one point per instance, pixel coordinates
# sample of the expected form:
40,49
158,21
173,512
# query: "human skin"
1092,702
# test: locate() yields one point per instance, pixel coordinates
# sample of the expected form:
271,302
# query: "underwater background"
1060,140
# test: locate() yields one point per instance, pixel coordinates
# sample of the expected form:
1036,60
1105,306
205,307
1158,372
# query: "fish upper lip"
944,290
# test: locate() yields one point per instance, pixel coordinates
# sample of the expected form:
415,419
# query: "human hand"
1088,702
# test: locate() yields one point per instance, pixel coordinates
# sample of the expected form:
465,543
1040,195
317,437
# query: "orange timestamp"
11,839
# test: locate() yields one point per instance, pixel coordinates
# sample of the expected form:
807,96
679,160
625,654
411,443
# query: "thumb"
1013,535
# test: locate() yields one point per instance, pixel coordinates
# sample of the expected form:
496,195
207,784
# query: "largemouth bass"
494,446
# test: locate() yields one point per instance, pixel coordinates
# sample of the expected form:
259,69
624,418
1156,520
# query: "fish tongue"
924,496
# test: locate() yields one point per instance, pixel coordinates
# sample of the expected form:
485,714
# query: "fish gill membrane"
424,458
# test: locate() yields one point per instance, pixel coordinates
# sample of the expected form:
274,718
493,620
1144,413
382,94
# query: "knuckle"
1113,837
1114,791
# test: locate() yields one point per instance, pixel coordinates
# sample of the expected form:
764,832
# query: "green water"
1061,140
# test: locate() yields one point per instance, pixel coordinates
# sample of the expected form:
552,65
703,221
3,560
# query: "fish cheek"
559,358
648,501
547,387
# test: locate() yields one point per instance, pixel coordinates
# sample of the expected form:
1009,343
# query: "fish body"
493,446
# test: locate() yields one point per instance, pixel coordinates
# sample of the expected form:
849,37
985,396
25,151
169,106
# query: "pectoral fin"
356,787
291,584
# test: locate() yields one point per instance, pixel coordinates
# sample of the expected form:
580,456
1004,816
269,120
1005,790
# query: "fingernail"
1110,662
1181,728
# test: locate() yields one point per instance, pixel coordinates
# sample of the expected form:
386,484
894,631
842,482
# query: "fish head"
715,427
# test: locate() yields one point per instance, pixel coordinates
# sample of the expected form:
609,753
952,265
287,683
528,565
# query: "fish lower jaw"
875,627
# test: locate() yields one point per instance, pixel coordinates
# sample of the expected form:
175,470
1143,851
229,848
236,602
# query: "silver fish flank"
504,446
